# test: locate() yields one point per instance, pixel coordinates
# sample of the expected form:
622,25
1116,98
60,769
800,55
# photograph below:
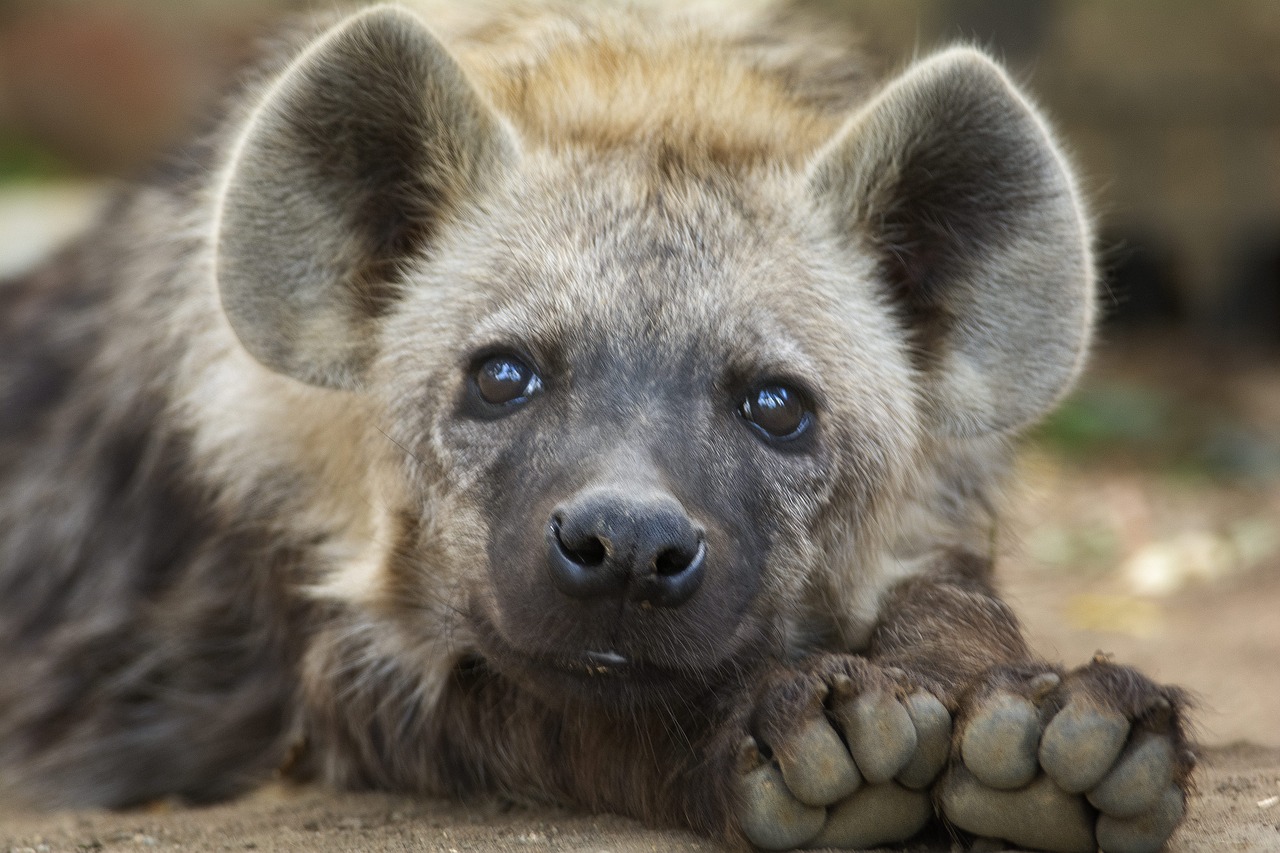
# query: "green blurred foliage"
1162,430
24,161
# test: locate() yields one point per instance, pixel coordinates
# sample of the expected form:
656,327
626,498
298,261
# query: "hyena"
605,406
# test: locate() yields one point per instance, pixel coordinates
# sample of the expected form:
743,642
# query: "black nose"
605,544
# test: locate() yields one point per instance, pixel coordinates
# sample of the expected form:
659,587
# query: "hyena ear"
356,155
950,178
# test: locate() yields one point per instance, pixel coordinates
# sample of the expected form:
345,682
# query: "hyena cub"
602,406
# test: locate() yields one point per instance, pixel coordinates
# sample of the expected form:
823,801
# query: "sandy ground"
1176,573
1226,817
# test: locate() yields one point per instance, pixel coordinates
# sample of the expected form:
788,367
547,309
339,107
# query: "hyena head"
666,356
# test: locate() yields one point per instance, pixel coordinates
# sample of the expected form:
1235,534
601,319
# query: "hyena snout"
605,543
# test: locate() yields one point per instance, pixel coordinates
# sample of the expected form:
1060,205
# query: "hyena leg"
1092,758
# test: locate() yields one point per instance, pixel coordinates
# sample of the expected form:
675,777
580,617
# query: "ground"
1147,527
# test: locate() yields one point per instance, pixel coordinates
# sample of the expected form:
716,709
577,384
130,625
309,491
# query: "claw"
1043,684
1159,713
749,757
841,688
896,673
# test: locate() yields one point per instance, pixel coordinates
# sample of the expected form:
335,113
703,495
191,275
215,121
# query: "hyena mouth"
591,665
604,663
609,675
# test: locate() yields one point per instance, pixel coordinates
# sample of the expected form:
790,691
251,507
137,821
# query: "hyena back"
603,406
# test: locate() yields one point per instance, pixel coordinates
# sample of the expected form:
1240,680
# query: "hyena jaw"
575,404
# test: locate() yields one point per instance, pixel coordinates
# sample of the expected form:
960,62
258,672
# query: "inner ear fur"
952,180
357,154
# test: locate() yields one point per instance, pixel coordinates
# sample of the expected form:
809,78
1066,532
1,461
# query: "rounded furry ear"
951,179
354,158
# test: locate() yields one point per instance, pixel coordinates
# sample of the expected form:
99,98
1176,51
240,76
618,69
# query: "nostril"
585,550
580,566
678,571
673,561
590,553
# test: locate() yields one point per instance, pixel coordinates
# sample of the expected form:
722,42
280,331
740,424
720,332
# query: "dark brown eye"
504,379
778,411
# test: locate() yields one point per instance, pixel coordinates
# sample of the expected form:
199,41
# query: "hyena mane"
603,405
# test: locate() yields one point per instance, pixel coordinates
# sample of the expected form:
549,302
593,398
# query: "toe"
1145,833
874,816
1040,815
1000,742
933,740
1139,778
1080,745
881,735
769,816
815,764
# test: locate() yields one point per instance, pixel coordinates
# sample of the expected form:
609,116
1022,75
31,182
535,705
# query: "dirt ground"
1226,817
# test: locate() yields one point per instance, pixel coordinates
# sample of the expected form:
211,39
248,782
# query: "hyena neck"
295,459
945,514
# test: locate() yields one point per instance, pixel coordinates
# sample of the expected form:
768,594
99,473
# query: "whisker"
407,451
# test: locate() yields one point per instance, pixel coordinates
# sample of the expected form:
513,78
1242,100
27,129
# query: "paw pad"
1039,815
875,815
1080,745
999,746
882,736
769,815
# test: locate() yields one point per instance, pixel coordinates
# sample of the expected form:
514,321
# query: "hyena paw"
838,753
1093,759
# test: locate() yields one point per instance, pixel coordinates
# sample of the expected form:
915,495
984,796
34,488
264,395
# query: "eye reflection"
505,379
777,410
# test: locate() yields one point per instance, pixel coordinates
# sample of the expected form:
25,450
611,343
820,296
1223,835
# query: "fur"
248,499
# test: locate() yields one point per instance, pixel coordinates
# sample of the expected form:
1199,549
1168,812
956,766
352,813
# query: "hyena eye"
777,411
504,380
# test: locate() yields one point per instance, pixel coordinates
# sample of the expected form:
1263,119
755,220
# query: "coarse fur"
251,498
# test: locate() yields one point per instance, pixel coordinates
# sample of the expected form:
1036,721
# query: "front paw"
838,753
1093,759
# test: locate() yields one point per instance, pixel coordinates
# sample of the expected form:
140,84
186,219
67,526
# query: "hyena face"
633,449
657,375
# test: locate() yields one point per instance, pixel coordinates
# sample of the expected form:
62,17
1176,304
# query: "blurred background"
1148,524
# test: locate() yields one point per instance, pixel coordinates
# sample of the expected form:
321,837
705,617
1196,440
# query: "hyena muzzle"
608,408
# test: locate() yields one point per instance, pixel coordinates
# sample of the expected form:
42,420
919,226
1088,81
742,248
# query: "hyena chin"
603,406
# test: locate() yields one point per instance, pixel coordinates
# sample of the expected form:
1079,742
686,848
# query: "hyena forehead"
602,76
732,272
